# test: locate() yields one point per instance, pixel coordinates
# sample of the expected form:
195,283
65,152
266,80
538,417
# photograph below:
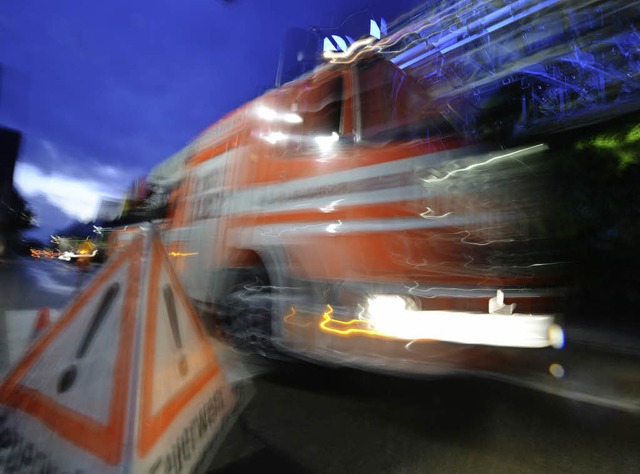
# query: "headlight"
399,317
383,306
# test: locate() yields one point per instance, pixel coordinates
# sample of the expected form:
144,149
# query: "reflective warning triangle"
125,380
182,400
74,382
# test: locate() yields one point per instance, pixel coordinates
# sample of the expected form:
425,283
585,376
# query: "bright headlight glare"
400,317
387,305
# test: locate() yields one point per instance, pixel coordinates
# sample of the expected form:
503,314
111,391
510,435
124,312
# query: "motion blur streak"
513,154
559,59
348,55
388,316
466,328
289,319
347,328
433,165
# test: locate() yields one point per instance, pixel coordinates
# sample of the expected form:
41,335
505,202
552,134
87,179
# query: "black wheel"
245,311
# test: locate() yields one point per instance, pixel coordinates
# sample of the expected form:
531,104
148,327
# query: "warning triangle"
178,361
68,382
125,380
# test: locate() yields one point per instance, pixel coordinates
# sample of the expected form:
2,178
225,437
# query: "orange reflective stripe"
409,208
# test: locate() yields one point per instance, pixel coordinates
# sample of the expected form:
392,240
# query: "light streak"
182,254
334,56
534,148
67,256
290,315
326,142
265,113
424,263
36,253
289,319
333,228
270,115
273,137
429,214
487,242
345,328
522,267
452,326
290,117
293,228
330,207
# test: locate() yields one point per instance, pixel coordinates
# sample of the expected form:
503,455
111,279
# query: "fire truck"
341,218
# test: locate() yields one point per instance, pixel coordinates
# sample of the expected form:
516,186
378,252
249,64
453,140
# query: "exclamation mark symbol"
68,377
170,303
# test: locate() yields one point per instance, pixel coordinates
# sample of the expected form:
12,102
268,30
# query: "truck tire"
244,312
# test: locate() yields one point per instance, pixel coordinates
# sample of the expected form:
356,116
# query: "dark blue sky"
103,91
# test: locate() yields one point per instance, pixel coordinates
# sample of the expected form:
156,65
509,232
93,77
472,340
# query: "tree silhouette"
19,215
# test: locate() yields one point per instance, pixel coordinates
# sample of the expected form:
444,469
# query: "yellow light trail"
289,319
350,327
181,254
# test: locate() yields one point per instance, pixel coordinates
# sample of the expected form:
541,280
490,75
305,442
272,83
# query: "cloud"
105,91
78,197
62,184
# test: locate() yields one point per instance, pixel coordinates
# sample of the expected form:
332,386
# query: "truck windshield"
394,107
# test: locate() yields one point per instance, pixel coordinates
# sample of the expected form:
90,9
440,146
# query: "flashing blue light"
328,45
374,29
383,26
341,43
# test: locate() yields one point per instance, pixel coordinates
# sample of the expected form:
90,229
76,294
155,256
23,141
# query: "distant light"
556,370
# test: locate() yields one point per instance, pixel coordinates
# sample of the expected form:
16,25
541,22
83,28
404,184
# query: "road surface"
583,415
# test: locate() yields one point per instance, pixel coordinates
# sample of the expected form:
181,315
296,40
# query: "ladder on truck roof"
538,65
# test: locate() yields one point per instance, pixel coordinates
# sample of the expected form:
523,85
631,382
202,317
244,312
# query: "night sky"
103,91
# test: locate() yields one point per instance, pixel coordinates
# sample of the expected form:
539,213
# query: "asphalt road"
308,418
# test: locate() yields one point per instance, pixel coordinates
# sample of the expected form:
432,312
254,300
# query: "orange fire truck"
341,218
